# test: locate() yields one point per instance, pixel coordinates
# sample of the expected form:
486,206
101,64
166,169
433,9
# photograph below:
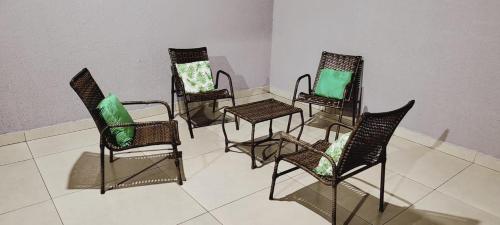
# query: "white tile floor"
54,180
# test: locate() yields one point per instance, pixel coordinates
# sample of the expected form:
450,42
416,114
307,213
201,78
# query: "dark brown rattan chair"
352,94
365,148
146,133
179,56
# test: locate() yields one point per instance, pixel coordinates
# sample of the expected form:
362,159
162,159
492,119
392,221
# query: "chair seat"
319,100
210,95
308,160
151,133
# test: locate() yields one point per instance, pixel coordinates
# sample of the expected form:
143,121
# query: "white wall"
442,53
125,46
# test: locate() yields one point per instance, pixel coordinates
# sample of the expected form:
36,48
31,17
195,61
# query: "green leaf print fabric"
324,167
196,76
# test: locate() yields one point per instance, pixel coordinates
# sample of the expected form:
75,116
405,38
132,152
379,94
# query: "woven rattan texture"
318,100
90,94
259,111
211,95
341,62
309,160
150,133
367,144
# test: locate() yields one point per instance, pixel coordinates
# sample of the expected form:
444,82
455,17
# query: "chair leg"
273,181
226,141
111,159
382,183
177,164
340,120
334,204
354,109
252,148
190,126
172,88
103,190
310,110
289,122
213,105
235,117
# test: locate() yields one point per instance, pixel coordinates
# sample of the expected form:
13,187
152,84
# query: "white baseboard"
12,138
470,155
88,123
433,143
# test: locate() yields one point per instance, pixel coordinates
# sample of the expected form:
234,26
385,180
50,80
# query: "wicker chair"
352,94
179,56
365,148
146,133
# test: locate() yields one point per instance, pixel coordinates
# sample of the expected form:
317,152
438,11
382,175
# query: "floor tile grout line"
472,206
434,149
8,164
1,146
26,206
209,211
199,203
459,172
247,195
54,135
411,205
433,190
44,183
67,150
198,216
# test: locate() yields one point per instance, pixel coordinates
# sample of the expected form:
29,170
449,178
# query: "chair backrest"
367,144
179,56
90,94
350,63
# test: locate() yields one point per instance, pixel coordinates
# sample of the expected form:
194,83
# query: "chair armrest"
305,147
298,82
327,136
229,79
170,116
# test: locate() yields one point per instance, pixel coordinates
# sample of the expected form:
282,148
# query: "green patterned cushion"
324,167
196,76
113,112
332,83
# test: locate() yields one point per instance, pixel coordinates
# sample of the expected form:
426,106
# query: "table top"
259,111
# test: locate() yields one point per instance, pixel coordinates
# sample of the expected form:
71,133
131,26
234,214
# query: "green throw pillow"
113,112
332,83
196,76
324,167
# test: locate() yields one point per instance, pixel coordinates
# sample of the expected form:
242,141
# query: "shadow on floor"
321,204
323,120
202,115
265,152
124,172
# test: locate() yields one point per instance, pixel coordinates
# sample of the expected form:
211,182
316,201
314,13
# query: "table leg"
226,141
252,148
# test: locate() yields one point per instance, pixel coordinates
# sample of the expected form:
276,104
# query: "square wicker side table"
260,111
